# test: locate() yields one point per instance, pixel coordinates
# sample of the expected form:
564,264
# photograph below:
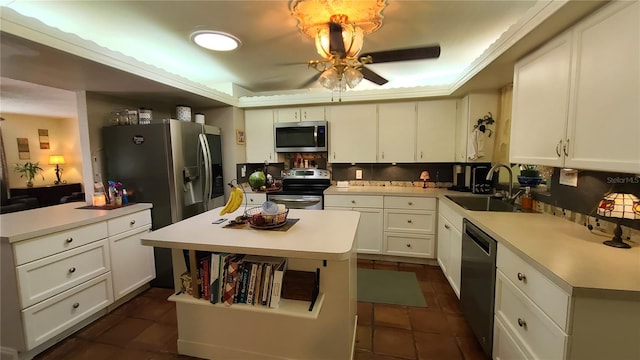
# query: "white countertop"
21,225
568,253
319,234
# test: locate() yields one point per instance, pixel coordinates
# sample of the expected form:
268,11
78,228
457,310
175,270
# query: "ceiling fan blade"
429,52
336,45
372,76
310,82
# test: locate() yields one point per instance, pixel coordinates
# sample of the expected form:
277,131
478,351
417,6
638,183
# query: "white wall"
64,139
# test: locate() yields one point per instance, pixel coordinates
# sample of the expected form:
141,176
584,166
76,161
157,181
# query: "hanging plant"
482,123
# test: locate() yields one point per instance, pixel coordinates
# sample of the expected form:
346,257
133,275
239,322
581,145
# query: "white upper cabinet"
308,113
259,135
436,131
475,144
603,131
396,132
576,99
353,130
540,104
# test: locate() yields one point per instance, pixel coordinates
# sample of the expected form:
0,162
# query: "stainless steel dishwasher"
478,280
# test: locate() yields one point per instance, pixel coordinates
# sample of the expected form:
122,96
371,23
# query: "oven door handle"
294,200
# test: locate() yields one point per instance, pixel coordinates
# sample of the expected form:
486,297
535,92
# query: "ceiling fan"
340,48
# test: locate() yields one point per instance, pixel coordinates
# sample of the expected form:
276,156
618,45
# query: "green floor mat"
389,287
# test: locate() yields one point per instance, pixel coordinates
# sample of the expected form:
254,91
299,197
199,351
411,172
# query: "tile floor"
145,327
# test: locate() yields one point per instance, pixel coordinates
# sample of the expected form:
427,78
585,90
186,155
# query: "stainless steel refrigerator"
175,165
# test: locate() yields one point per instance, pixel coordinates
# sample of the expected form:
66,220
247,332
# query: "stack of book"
240,279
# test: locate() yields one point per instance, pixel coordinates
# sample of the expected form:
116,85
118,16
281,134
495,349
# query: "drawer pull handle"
69,240
72,270
522,323
409,221
408,245
76,305
410,203
133,222
447,226
521,277
353,201
251,200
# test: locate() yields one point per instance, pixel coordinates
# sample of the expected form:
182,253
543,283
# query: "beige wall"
63,140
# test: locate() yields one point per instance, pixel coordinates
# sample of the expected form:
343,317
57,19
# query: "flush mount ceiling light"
215,40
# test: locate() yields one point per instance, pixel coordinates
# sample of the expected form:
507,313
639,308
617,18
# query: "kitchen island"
321,240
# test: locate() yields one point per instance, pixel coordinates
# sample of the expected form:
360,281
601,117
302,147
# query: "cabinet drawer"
526,322
409,245
354,201
505,346
547,295
255,199
410,221
129,222
41,279
52,316
37,248
409,203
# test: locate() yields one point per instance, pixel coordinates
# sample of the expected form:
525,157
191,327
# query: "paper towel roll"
200,118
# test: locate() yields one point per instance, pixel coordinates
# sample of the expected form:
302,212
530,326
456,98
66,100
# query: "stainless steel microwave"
304,136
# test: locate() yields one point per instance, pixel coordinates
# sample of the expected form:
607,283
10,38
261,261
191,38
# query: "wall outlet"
358,174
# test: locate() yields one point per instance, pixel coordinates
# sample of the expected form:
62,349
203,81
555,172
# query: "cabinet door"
455,259
312,113
604,119
353,133
396,132
444,244
287,115
540,104
132,264
369,237
436,131
259,136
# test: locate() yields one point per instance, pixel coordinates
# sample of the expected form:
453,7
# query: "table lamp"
57,160
622,206
424,176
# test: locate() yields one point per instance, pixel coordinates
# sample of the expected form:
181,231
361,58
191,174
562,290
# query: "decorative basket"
260,220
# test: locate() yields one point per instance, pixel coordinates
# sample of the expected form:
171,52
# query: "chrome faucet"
490,176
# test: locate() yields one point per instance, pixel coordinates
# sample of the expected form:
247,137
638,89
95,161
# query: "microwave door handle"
315,135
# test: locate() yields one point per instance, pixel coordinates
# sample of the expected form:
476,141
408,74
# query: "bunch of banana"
234,202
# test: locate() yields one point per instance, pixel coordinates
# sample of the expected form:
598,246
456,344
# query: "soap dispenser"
527,201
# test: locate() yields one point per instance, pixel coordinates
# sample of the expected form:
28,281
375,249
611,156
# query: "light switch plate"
358,174
568,177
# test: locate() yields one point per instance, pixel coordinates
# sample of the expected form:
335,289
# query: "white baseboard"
8,354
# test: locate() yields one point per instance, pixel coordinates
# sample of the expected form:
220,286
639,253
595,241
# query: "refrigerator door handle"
206,155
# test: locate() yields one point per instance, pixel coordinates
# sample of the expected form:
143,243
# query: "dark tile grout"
150,308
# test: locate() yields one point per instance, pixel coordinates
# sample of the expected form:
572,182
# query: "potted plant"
529,175
28,170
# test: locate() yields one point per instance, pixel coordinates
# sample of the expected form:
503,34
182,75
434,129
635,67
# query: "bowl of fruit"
269,215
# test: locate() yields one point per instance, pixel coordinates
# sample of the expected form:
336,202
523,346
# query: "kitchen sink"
483,203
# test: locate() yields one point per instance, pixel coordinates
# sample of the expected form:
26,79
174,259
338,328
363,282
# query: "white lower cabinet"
64,279
391,225
409,226
369,236
449,251
504,345
132,264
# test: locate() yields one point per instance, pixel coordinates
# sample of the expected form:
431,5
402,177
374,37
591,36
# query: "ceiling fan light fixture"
215,40
353,77
329,78
352,38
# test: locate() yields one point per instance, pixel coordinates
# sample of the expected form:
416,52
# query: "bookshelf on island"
320,246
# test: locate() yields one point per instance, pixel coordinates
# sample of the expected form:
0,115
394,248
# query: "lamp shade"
352,38
620,205
56,159
424,175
